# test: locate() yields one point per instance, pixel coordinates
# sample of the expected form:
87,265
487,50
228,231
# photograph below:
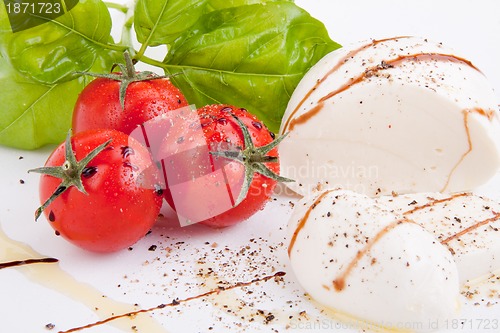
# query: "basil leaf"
250,56
35,114
53,51
159,22
37,68
221,4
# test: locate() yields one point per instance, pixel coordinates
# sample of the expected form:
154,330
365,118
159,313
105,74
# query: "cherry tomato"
122,101
203,185
122,200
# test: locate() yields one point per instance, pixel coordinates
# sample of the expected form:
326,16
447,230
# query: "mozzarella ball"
402,114
358,258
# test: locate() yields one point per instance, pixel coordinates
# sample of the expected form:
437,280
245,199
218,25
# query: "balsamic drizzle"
176,302
27,262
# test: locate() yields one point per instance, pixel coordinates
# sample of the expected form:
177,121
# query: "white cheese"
358,258
401,114
469,225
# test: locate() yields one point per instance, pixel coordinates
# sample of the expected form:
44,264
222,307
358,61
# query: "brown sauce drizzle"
335,68
176,302
304,219
495,217
27,262
435,202
464,155
369,72
471,228
490,114
339,283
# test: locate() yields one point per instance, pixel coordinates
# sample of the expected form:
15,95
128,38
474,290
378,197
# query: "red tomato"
204,188
98,105
119,208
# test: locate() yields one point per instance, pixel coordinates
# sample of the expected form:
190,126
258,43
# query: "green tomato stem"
70,172
253,159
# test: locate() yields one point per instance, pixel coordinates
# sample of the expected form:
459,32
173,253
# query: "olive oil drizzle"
176,302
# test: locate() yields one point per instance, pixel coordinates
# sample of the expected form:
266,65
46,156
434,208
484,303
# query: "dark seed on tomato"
226,109
257,125
272,135
222,121
57,233
89,171
180,139
52,216
127,151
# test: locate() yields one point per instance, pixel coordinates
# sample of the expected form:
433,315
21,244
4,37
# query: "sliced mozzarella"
359,258
469,225
401,114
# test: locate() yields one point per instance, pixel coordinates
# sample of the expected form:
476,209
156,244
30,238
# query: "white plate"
84,287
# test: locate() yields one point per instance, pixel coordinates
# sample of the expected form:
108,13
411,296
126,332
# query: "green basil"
251,56
248,53
52,52
159,22
35,114
37,72
221,4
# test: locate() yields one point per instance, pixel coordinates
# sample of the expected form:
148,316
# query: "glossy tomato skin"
118,210
219,129
98,105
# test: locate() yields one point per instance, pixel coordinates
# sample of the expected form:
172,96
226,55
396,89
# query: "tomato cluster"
135,142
